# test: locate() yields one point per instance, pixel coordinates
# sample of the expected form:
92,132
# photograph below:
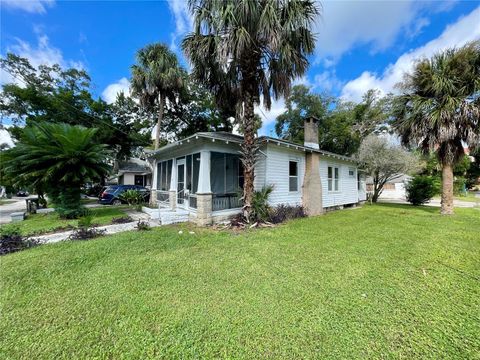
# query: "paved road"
19,204
436,202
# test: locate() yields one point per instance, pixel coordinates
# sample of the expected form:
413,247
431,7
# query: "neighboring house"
134,171
202,175
393,189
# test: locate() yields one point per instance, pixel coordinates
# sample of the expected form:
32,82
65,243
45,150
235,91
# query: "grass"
36,224
5,202
384,281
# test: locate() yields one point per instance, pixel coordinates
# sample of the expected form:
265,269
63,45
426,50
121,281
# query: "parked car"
111,194
23,193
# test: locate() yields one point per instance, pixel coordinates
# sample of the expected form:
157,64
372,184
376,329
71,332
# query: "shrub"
460,186
260,207
11,240
122,220
282,213
85,230
132,197
420,190
85,233
143,225
85,221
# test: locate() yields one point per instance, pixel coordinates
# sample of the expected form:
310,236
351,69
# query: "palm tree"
155,78
59,158
439,110
254,49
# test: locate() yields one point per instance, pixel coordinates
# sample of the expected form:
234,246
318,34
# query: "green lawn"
383,281
44,223
6,201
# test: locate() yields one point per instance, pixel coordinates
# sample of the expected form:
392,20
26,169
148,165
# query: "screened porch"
204,172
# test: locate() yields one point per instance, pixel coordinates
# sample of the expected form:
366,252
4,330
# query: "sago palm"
255,49
439,110
61,158
156,77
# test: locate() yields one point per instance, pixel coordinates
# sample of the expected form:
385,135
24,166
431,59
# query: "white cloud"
269,117
111,91
183,20
327,81
41,54
464,30
346,24
31,6
5,137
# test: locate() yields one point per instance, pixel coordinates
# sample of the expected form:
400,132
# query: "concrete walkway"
109,229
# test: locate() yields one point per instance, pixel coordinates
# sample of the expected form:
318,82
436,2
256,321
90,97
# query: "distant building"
134,171
393,189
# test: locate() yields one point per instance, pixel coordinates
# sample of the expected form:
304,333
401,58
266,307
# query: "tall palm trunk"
447,189
161,104
249,154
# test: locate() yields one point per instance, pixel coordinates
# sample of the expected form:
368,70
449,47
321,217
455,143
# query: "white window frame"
333,183
291,176
351,169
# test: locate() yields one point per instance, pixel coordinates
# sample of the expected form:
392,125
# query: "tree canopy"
342,125
56,95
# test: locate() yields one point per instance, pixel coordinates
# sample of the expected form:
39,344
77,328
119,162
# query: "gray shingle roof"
133,165
228,137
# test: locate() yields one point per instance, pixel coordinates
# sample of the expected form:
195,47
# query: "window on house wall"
139,180
333,178
293,176
351,172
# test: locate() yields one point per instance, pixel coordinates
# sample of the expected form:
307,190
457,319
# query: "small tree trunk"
248,150
447,189
161,104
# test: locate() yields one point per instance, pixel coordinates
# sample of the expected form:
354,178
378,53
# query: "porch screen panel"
169,173
164,171
217,175
226,173
196,171
231,173
159,176
188,180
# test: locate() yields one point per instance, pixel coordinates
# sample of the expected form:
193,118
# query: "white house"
200,177
134,171
393,189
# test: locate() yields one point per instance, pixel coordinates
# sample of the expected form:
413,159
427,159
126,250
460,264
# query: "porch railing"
163,198
192,201
226,201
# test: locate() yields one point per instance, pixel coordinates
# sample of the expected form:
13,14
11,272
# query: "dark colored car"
111,194
23,193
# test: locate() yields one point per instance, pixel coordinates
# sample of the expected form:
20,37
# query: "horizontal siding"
348,188
277,174
260,170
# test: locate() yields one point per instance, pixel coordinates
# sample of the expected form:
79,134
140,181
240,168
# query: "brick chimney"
312,186
311,132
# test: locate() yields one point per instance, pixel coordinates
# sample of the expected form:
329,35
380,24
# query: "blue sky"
360,45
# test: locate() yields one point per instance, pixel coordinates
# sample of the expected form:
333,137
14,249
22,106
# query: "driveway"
436,202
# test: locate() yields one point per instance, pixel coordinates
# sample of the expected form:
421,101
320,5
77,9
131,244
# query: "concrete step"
173,217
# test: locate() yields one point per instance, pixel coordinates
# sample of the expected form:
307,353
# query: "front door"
181,198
